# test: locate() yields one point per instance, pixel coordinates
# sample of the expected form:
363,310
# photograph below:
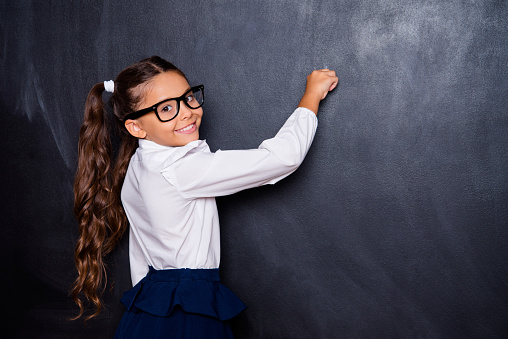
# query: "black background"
395,226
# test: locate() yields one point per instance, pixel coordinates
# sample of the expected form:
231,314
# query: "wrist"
313,95
310,100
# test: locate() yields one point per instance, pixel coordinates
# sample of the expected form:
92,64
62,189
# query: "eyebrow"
187,91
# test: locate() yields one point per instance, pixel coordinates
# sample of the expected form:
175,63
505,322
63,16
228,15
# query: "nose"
185,112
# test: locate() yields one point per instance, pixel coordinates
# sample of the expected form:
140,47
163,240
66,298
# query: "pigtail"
97,204
100,176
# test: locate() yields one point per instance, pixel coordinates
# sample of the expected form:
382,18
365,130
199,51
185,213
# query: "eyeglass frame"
153,108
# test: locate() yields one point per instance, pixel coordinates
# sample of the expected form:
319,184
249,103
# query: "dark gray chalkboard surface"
396,224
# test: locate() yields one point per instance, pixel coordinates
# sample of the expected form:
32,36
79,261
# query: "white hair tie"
109,86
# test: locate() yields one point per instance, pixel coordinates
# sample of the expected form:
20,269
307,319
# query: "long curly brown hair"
100,175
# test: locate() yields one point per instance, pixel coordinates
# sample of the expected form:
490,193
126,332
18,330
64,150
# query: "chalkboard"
395,225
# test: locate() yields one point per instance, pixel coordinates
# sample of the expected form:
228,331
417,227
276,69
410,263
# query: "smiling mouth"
187,129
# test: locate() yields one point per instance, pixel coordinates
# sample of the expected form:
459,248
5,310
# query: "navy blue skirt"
179,303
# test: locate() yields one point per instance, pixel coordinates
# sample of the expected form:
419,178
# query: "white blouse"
168,193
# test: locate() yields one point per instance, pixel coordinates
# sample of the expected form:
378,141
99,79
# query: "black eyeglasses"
168,109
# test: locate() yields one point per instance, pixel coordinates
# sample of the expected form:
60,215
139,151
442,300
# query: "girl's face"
177,132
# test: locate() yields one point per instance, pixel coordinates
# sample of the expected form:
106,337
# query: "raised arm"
227,172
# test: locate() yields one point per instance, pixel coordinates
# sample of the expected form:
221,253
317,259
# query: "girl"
162,182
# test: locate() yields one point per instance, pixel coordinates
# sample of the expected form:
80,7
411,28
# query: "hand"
319,83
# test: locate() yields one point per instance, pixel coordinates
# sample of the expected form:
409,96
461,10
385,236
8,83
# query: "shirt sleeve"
227,172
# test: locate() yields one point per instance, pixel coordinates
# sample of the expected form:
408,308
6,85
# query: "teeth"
186,128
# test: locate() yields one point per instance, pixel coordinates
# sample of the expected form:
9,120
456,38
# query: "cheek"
165,127
200,113
171,126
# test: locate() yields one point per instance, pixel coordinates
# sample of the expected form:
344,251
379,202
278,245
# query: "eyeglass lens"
167,110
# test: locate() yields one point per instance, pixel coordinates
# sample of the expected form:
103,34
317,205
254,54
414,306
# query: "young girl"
162,182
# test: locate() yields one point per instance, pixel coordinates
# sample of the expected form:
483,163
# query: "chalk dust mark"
34,106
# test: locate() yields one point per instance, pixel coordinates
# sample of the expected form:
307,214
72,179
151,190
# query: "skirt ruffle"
194,290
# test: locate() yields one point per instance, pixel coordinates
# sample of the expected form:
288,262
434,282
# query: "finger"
328,72
332,87
334,83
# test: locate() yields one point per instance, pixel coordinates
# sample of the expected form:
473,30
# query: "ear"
135,129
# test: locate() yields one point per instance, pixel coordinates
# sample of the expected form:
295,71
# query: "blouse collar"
169,154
